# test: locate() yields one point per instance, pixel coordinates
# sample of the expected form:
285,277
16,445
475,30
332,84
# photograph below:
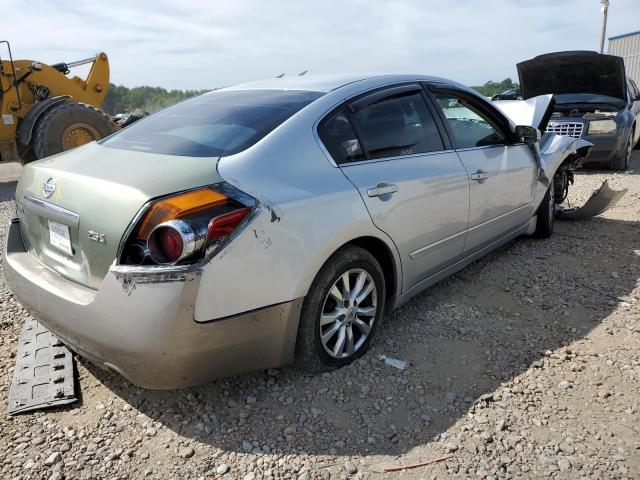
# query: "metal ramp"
43,375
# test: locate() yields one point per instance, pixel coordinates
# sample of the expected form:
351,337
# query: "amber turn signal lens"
178,206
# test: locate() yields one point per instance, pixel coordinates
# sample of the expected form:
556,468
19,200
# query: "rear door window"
214,124
396,126
339,138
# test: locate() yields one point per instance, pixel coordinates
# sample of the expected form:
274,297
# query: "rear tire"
546,214
621,162
341,313
68,126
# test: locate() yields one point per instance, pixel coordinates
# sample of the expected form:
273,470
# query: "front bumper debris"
43,375
600,201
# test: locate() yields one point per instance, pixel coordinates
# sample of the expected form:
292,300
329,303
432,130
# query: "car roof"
326,82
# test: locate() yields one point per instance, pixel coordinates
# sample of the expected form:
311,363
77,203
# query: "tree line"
491,88
121,99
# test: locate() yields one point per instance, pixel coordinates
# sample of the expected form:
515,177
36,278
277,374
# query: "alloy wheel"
348,313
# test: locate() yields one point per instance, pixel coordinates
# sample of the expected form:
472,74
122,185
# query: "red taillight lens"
222,225
170,243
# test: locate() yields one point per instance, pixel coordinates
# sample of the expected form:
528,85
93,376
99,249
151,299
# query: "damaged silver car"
258,223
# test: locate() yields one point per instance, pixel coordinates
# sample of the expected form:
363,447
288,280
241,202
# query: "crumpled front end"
558,157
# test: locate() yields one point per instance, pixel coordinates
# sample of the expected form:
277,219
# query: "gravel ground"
525,364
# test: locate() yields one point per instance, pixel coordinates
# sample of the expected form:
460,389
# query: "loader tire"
68,126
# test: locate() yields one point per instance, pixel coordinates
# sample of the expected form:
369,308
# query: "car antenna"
302,73
280,76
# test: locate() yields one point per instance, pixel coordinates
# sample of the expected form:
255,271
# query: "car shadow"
462,339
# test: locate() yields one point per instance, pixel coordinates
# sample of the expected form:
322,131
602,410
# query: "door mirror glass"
527,134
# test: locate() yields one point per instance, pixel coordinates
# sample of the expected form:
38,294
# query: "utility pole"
604,9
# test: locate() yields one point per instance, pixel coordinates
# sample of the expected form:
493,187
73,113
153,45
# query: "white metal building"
627,46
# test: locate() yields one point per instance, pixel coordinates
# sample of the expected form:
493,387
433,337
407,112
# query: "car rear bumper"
142,326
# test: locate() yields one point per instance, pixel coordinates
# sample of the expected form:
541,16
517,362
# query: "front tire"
67,126
342,311
546,214
621,162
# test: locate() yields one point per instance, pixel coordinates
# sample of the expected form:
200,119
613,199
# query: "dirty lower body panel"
43,376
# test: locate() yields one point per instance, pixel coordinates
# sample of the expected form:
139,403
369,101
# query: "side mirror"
527,134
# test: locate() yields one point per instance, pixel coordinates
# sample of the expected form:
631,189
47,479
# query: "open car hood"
572,72
533,111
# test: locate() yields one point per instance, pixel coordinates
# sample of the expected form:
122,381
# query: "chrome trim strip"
399,157
47,208
458,265
421,251
499,217
484,147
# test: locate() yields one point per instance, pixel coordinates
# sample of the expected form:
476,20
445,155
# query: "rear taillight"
222,225
183,228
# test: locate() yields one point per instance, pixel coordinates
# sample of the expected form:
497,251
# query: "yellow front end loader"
44,112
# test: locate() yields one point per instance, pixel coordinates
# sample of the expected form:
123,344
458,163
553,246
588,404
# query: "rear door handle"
480,175
382,189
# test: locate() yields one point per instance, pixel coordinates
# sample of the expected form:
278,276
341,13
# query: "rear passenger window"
340,139
397,126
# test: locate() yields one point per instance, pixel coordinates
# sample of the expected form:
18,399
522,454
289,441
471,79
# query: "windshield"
587,98
214,124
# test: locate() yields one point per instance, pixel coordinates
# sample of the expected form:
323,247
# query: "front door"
501,173
415,187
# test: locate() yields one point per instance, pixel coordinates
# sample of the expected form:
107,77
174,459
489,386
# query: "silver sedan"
253,224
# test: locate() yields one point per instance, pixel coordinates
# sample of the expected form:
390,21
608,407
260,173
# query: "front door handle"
480,175
382,189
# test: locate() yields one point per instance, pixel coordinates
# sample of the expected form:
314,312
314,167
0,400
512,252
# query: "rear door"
502,174
390,146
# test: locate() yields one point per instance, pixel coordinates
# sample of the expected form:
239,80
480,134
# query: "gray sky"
206,44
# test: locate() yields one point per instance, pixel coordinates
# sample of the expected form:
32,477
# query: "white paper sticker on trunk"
59,237
7,119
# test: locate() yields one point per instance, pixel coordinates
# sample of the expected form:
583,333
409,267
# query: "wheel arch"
28,123
389,262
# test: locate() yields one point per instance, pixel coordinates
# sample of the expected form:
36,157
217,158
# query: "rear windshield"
214,124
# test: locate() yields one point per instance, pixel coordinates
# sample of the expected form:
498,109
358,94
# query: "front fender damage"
558,156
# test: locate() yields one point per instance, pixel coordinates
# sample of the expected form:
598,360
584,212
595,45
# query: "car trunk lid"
74,210
572,72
